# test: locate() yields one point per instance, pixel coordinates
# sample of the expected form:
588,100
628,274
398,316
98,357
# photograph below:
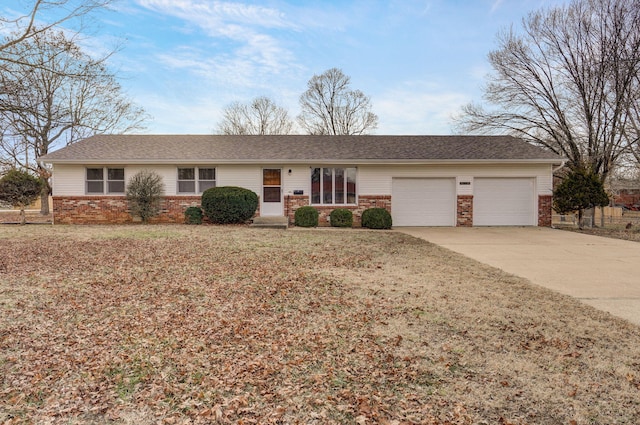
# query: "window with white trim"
101,180
333,185
192,178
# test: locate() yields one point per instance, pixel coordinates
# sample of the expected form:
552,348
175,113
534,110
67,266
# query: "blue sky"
183,61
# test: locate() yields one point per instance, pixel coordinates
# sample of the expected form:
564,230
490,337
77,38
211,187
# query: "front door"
271,192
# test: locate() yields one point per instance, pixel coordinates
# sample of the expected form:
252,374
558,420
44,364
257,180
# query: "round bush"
376,218
229,204
306,217
341,217
193,215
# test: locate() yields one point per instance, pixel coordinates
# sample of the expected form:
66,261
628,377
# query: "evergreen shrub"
193,215
341,217
376,218
306,216
229,204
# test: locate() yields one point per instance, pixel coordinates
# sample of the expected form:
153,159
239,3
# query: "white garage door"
423,202
503,202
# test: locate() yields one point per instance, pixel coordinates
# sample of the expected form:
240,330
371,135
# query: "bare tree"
60,95
330,107
26,26
567,81
261,116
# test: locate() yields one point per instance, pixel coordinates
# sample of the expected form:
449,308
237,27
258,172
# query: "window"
96,180
206,179
115,180
187,181
333,185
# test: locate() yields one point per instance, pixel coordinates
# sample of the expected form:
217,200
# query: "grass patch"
173,324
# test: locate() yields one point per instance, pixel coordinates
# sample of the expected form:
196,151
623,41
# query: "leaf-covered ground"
205,324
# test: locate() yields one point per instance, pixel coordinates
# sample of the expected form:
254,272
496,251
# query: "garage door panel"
423,202
503,202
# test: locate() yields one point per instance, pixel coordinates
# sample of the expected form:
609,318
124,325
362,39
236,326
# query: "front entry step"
271,222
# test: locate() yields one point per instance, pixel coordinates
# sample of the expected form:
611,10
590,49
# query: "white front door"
271,192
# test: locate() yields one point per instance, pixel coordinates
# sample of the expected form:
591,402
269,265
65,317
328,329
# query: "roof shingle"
296,148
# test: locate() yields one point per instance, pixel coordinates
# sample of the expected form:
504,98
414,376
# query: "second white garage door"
423,202
503,202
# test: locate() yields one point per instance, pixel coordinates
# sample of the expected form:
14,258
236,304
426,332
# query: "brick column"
545,205
465,211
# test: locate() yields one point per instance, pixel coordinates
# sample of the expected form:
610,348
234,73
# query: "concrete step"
277,222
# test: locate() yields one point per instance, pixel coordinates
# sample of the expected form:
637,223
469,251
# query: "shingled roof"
129,149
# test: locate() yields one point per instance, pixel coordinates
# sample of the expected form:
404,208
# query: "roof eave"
390,161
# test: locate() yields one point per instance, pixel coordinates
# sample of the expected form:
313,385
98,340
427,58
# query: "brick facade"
545,205
293,202
465,211
115,210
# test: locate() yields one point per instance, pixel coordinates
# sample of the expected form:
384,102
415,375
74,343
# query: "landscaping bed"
211,324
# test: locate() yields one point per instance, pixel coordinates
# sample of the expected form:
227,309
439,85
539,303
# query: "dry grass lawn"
205,324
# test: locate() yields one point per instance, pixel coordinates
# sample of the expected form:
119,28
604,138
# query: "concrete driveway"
602,272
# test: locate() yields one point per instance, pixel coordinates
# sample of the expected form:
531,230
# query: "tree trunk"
44,198
23,217
580,219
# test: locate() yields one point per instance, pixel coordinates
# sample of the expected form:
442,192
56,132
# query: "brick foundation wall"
465,211
293,202
115,210
545,205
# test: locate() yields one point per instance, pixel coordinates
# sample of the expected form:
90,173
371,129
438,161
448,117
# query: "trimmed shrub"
376,218
341,217
229,204
306,217
144,193
193,215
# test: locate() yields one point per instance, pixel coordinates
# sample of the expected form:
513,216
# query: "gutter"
353,161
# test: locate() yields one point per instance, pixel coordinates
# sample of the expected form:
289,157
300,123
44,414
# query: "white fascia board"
309,161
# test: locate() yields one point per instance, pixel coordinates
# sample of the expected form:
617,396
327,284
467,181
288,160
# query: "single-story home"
421,180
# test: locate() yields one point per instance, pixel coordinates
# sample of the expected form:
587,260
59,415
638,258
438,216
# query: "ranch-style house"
421,180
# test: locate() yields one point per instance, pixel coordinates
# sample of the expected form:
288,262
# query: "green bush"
19,189
341,217
306,217
229,204
376,218
144,193
193,215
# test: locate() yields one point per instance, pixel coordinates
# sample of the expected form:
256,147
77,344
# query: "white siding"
68,180
376,179
545,182
169,174
247,176
299,179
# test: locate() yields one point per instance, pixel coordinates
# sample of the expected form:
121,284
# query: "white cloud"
495,6
218,19
252,51
417,108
